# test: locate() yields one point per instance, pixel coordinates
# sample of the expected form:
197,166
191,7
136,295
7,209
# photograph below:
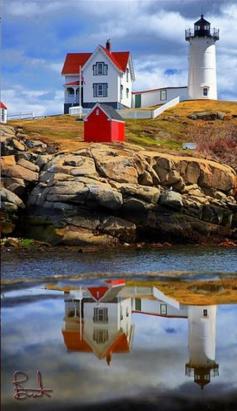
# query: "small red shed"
103,124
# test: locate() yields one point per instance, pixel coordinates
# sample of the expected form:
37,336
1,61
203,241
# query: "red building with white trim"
104,124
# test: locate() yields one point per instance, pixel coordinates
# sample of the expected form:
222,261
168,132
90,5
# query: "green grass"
26,242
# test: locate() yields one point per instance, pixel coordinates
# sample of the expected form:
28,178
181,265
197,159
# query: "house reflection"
99,319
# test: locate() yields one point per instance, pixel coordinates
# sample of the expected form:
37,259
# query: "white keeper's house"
103,76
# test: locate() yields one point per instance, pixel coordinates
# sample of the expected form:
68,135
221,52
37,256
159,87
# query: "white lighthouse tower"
202,60
202,344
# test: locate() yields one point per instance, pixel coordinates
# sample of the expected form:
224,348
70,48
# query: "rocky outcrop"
208,115
19,172
104,195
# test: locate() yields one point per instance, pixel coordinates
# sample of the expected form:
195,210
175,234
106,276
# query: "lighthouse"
202,60
202,344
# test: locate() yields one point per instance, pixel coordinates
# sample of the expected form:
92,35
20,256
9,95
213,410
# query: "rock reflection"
99,319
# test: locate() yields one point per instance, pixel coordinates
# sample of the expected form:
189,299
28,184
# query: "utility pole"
80,93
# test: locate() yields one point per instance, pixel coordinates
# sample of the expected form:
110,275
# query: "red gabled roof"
73,61
119,58
99,292
2,105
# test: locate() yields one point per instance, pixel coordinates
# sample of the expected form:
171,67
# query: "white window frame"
100,69
100,89
100,315
162,94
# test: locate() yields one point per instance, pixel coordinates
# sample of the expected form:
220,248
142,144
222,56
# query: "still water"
48,263
113,345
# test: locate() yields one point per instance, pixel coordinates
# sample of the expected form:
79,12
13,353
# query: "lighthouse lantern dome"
202,27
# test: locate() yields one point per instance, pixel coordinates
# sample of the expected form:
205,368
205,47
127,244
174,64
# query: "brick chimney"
108,45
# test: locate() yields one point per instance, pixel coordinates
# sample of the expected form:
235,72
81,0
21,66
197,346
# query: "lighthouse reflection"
100,319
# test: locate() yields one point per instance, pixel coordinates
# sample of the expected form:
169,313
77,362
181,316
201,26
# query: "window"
127,92
127,312
70,91
205,313
100,315
100,69
100,336
205,91
163,95
97,112
121,313
100,89
121,92
163,309
127,74
138,304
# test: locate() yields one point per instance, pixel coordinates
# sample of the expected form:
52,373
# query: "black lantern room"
202,28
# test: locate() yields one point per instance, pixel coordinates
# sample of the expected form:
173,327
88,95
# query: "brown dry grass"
196,292
165,133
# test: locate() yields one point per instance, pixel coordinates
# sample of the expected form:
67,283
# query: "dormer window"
100,69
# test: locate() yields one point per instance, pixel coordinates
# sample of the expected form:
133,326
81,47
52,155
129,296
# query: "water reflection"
99,319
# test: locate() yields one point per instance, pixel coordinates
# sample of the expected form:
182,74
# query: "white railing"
21,116
79,111
135,114
144,114
165,106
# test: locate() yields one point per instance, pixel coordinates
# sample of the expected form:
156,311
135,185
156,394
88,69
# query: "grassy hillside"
215,139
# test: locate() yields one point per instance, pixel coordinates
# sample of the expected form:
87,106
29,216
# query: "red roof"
72,83
119,58
73,61
99,292
2,105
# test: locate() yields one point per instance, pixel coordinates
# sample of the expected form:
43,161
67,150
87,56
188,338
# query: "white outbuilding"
3,112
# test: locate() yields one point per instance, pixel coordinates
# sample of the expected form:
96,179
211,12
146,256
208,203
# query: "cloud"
37,102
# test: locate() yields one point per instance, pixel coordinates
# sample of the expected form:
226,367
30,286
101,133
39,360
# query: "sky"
37,34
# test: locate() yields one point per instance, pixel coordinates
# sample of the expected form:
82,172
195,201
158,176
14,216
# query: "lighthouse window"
204,313
205,91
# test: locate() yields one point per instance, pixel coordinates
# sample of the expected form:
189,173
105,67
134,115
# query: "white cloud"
21,100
